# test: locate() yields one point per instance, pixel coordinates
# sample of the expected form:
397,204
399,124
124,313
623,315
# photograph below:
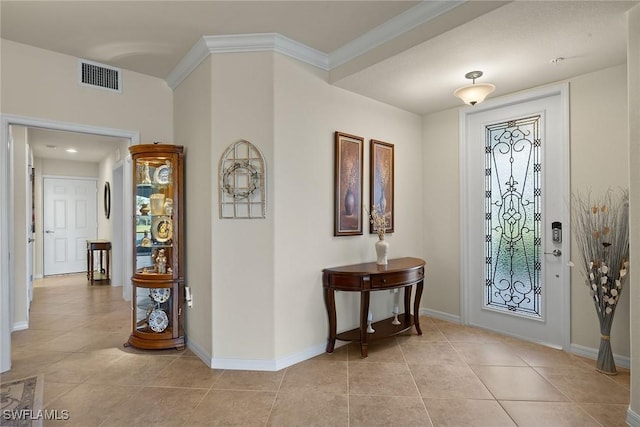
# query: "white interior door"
70,219
515,189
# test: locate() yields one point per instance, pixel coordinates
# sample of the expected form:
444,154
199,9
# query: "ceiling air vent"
100,76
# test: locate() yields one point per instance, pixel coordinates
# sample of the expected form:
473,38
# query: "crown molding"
274,42
187,64
394,27
267,42
261,42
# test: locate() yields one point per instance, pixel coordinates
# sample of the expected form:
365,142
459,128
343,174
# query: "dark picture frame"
107,199
349,155
381,182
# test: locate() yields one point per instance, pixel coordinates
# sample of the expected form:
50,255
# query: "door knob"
49,231
556,252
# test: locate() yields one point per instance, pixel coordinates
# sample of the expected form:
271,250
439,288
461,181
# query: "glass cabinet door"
157,281
153,310
154,215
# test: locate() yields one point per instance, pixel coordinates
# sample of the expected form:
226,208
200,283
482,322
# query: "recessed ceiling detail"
419,14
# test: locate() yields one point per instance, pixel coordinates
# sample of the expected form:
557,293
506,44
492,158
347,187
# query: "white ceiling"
52,144
513,45
416,68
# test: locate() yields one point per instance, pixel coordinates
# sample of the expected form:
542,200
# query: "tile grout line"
415,384
275,397
479,379
348,390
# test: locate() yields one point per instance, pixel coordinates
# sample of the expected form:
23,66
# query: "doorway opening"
8,247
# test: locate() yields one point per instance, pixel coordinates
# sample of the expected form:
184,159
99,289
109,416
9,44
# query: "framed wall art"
381,190
349,151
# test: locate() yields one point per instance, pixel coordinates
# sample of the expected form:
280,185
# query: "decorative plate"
162,228
158,320
162,175
160,294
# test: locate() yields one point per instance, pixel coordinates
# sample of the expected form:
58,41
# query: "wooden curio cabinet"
158,260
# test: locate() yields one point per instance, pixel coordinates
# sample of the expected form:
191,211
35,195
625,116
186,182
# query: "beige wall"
598,137
307,113
441,209
243,249
119,151
193,130
43,84
633,72
144,106
599,150
263,276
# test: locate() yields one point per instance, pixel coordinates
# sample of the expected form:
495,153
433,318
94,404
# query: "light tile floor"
452,375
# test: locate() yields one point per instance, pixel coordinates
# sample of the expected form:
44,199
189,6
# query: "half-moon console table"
368,277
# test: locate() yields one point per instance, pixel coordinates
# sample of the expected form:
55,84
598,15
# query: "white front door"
70,219
515,187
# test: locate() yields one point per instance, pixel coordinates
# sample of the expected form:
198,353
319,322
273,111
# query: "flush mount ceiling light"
71,150
474,93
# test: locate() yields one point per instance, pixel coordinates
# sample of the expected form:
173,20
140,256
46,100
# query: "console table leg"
108,275
416,306
364,314
407,303
90,267
330,303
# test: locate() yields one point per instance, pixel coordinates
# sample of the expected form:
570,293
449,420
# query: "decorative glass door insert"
513,217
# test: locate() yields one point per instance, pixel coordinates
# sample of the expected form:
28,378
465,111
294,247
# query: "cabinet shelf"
383,329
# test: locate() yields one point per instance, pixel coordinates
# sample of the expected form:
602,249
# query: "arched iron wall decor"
107,199
242,177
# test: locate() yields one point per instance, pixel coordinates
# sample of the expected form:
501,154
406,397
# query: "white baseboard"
440,315
268,365
200,352
38,276
633,419
254,364
292,359
20,326
592,353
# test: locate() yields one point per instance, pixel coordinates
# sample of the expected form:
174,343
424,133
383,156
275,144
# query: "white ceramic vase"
382,248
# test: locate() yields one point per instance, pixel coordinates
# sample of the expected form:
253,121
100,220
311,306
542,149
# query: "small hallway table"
103,246
366,278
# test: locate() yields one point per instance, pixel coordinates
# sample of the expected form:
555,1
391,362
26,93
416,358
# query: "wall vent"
99,76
